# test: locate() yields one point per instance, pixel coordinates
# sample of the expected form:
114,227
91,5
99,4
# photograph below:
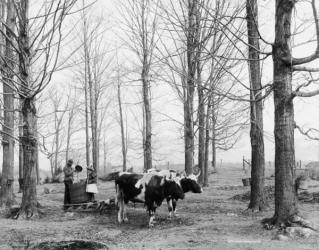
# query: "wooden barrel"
78,193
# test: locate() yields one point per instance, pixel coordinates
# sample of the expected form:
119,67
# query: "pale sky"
167,140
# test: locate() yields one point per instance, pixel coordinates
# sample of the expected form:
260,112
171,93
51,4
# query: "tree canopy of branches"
36,44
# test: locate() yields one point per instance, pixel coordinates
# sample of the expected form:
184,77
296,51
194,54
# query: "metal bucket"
246,181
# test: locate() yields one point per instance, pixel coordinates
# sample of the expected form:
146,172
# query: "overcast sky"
167,139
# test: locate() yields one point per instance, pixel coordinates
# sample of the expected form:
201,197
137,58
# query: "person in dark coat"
68,180
91,183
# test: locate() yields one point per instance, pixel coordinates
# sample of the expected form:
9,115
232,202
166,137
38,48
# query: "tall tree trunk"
87,135
257,198
37,153
93,115
146,85
29,138
6,192
104,156
124,150
148,115
188,137
29,141
86,86
190,87
207,139
201,126
21,149
93,109
214,120
285,196
57,141
68,136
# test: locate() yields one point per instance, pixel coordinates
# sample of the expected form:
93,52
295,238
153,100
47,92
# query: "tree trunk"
89,95
29,141
93,114
37,153
57,141
104,156
29,137
257,198
6,192
201,127
285,196
68,136
214,120
20,150
87,135
190,86
188,137
207,134
148,116
124,150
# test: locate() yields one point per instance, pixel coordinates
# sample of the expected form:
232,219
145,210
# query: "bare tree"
257,198
141,21
92,64
212,50
32,77
70,128
123,135
286,209
8,140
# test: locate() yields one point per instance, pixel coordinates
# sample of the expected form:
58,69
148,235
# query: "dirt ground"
211,220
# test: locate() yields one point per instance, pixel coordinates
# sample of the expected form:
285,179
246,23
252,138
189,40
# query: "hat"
70,162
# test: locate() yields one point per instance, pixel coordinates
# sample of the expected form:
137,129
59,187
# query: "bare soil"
211,220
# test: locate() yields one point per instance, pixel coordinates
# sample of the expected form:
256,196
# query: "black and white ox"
188,183
151,189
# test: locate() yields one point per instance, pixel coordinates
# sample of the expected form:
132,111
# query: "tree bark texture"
201,127
214,120
68,136
285,196
29,142
29,136
21,149
6,192
257,198
147,145
207,140
57,141
86,96
190,87
124,149
148,122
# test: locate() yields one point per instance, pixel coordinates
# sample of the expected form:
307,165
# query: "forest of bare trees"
75,85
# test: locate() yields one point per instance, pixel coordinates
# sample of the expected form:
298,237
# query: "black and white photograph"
159,124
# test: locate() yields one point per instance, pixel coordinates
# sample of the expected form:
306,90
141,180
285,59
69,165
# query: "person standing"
68,180
91,187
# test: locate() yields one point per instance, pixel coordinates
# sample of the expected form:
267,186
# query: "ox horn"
184,174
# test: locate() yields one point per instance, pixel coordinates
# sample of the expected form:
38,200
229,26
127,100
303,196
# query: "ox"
188,184
151,191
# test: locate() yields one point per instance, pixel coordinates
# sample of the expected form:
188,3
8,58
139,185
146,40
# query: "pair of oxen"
152,188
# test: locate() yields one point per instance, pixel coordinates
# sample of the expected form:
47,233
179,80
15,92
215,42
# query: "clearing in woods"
211,220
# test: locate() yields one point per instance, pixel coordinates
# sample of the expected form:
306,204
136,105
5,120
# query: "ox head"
173,189
190,183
